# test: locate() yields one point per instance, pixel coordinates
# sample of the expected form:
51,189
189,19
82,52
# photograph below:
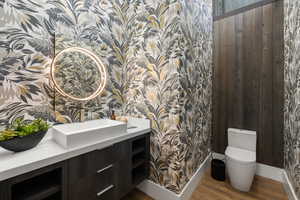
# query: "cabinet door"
83,188
80,170
5,190
123,168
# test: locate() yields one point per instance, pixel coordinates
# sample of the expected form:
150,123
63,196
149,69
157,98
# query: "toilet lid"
240,154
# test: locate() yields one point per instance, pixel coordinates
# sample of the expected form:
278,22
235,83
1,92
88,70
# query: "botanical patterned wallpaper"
195,75
292,92
158,55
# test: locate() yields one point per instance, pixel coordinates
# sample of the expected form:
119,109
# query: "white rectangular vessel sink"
84,133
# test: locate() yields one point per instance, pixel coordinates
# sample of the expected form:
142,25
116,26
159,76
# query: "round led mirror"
78,73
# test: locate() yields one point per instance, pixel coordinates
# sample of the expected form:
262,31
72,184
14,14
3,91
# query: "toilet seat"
240,155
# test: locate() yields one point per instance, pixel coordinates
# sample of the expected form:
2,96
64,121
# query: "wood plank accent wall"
249,78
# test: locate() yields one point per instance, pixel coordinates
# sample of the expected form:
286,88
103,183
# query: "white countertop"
48,152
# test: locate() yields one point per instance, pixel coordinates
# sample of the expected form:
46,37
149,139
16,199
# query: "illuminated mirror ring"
100,67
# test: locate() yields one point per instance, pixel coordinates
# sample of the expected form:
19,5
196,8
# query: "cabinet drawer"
104,178
88,164
107,193
104,157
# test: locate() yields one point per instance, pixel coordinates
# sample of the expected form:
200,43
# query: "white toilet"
241,158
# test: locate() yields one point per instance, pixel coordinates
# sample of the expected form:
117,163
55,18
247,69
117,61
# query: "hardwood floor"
210,189
262,189
137,195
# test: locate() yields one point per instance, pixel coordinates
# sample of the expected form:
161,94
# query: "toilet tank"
242,139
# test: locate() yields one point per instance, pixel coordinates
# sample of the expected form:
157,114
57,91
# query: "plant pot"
19,144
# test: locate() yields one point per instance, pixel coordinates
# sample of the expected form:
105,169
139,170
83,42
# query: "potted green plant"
23,135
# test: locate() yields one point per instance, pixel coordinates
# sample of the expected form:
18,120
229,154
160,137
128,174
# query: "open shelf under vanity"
140,158
43,184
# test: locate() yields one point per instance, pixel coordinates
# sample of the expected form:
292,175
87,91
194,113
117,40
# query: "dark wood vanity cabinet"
106,174
110,173
91,175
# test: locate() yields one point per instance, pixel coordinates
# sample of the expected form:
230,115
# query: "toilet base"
241,175
241,187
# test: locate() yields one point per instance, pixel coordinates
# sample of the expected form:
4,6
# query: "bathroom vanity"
106,169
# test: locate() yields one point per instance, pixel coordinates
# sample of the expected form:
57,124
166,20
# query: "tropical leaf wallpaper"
158,55
292,92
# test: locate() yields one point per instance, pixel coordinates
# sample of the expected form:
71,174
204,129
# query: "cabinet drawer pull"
105,190
104,169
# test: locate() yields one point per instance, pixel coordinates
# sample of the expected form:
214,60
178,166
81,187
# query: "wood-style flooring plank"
210,189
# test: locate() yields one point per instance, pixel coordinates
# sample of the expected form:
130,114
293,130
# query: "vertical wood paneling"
248,79
265,96
249,93
215,121
229,56
238,121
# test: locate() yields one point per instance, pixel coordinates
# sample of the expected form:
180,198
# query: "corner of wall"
158,192
288,186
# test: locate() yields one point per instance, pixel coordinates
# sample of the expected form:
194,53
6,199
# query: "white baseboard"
288,187
263,170
270,172
158,192
194,181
